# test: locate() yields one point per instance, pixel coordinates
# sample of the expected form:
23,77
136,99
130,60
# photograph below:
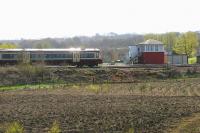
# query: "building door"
76,56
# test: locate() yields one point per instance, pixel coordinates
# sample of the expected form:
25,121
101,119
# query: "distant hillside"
98,41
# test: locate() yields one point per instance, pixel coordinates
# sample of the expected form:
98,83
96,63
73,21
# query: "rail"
130,66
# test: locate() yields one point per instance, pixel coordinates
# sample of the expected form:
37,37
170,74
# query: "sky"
34,19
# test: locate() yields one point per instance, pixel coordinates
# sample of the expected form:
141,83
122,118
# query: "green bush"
192,60
15,127
55,128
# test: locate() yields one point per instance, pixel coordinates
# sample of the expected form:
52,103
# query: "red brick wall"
153,58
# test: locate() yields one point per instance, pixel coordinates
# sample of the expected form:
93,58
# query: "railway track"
131,66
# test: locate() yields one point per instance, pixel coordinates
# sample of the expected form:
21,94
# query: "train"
72,56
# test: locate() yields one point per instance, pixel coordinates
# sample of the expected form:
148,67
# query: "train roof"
49,50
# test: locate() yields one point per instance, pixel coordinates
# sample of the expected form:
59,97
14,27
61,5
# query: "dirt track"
86,112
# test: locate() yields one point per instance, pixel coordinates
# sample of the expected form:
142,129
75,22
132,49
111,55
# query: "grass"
90,87
98,88
34,86
175,87
21,87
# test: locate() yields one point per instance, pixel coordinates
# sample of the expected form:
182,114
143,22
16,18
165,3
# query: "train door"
26,57
76,56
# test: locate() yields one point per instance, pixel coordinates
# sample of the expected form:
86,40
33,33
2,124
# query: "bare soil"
81,111
188,125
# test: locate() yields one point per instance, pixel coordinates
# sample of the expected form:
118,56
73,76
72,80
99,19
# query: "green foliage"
7,46
15,127
187,43
192,60
46,43
55,128
169,39
34,86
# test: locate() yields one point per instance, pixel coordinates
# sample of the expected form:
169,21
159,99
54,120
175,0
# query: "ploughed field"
141,107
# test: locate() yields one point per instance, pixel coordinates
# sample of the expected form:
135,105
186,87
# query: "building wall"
165,58
152,58
177,59
133,51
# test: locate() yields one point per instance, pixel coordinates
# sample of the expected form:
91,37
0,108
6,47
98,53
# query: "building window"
147,48
156,47
152,48
160,48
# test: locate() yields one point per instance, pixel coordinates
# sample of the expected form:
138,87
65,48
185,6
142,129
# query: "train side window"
90,55
32,56
9,56
83,55
68,55
87,55
53,56
97,55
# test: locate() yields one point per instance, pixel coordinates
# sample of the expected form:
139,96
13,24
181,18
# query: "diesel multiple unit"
73,56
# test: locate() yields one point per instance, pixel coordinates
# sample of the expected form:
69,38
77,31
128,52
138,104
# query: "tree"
114,55
168,39
8,46
186,43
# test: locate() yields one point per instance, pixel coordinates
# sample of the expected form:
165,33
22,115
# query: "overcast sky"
64,18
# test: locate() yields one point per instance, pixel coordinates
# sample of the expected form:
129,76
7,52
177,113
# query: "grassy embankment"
40,77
